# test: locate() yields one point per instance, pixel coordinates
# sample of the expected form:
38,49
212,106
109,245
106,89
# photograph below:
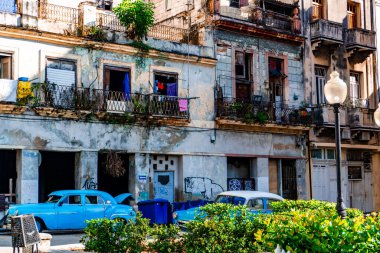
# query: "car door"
94,206
70,212
256,205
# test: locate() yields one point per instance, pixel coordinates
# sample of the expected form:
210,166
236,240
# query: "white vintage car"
256,201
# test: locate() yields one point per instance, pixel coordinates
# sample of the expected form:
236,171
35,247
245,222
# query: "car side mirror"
108,202
60,203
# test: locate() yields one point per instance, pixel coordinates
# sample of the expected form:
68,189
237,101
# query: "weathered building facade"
342,37
259,88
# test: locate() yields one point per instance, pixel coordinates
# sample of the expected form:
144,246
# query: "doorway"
56,172
110,183
289,179
8,173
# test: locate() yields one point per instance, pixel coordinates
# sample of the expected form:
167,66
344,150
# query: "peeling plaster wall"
261,48
77,136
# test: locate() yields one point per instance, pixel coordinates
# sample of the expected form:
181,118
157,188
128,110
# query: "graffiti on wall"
202,185
90,184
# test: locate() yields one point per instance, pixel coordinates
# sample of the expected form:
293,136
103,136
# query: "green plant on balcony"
96,33
137,16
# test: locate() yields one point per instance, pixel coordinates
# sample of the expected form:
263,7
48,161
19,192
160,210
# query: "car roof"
64,192
252,194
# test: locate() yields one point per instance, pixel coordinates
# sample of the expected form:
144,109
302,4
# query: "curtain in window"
127,86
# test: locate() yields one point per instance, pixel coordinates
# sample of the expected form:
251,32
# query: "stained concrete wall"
27,164
86,164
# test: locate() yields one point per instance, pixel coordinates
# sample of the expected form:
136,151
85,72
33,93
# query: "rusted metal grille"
59,13
109,21
24,231
73,98
8,6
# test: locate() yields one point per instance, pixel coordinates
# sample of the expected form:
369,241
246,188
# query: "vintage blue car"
69,209
255,201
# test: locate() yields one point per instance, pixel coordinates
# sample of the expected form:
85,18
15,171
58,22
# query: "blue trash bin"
156,210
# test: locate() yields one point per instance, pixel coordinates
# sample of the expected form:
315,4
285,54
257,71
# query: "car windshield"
53,199
230,200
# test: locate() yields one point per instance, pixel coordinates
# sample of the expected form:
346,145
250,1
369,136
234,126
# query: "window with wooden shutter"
320,80
5,67
317,9
353,15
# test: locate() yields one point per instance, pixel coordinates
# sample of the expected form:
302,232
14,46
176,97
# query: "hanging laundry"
127,86
183,107
155,86
160,86
171,89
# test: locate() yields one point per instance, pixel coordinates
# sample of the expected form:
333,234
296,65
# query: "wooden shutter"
6,67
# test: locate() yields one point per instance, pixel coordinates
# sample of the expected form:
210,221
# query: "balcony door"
243,74
117,87
276,82
320,81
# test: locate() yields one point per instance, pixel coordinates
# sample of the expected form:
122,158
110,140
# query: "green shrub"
165,239
306,205
314,231
221,228
137,16
104,235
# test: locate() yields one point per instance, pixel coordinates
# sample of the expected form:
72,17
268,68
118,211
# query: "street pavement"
61,242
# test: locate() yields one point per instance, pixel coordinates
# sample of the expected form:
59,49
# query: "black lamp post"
336,93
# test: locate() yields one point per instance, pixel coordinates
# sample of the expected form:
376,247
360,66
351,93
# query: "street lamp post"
336,93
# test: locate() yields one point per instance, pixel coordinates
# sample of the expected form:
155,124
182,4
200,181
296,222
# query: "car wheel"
39,224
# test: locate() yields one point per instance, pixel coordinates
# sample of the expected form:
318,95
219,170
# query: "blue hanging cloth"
127,86
171,89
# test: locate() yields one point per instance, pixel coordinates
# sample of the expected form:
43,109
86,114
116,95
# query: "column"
143,189
27,163
260,167
301,179
88,10
86,170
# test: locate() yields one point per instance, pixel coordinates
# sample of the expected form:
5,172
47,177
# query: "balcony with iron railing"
263,112
360,39
260,18
99,100
326,30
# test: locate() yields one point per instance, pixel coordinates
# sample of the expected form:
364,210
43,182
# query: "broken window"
61,72
165,84
5,66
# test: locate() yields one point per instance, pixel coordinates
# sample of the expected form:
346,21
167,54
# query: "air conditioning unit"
365,136
346,134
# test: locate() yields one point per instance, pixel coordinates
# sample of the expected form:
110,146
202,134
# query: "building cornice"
71,41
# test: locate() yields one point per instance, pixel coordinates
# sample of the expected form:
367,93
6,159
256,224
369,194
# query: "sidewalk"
54,249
